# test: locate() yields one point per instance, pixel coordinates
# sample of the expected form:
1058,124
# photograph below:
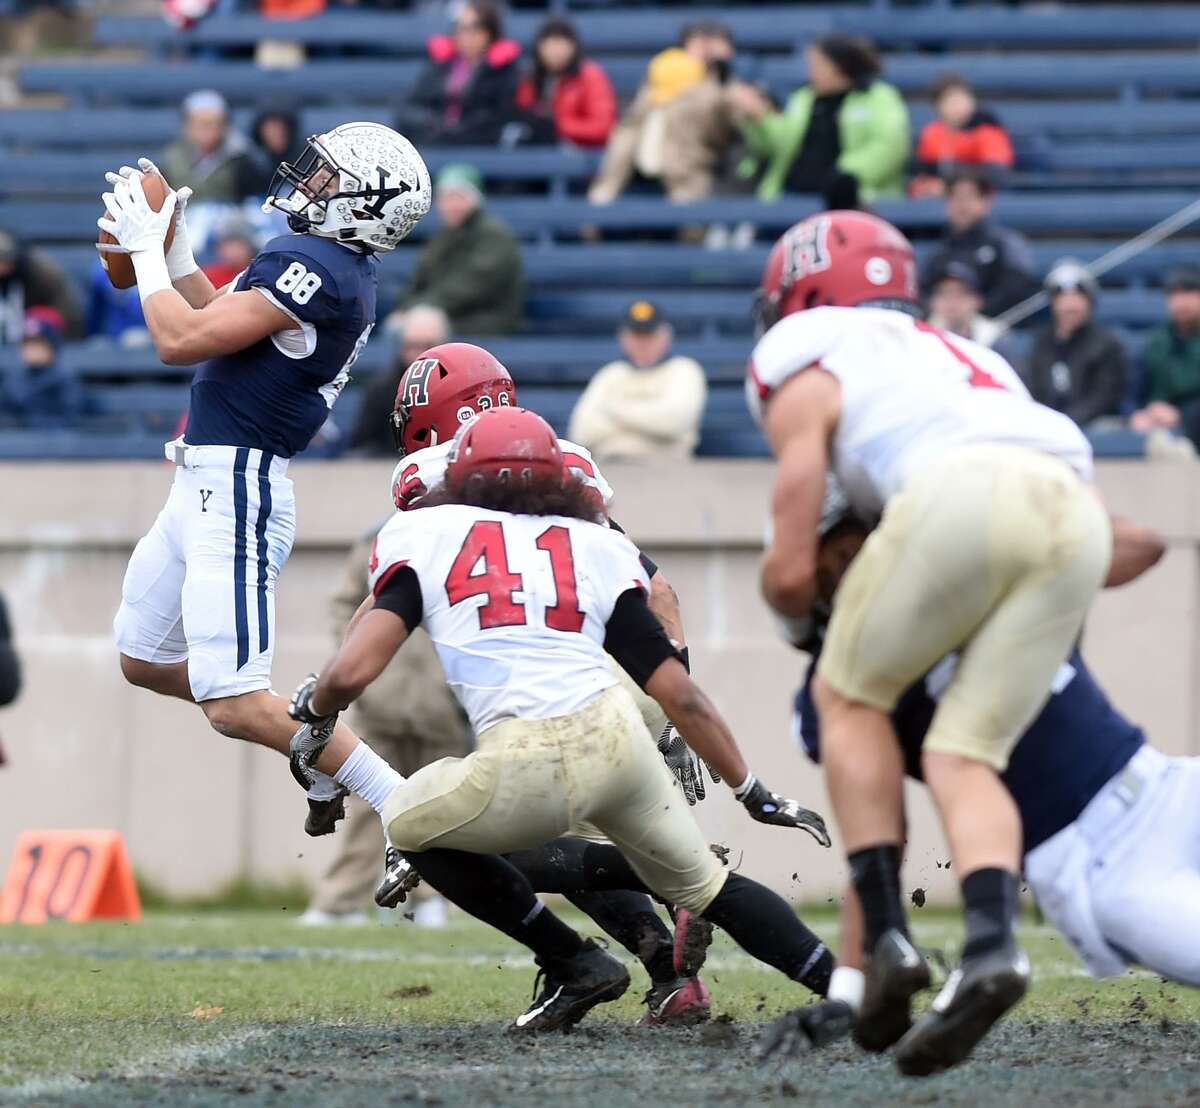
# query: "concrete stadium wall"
197,810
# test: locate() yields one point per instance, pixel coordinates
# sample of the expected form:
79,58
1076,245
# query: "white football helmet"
361,182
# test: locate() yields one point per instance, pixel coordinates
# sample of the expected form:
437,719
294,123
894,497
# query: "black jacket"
485,104
1083,377
1001,259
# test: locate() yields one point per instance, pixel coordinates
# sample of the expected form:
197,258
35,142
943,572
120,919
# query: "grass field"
247,1008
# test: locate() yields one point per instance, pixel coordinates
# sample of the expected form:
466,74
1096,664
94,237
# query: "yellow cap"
670,73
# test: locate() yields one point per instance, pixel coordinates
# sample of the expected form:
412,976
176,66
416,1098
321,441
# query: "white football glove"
180,259
134,224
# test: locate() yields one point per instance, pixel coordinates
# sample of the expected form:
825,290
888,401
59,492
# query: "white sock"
323,787
367,775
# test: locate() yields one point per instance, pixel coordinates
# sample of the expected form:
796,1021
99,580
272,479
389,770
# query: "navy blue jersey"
1070,752
275,395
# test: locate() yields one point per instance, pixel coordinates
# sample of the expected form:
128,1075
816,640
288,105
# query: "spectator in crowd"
38,393
471,267
844,135
679,125
114,313
647,405
467,91
1001,258
30,278
10,666
566,97
410,718
418,328
1171,358
234,247
1075,365
274,138
209,155
955,305
963,134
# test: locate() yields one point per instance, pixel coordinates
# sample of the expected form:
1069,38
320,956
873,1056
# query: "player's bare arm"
184,335
800,421
371,643
1135,550
664,603
703,729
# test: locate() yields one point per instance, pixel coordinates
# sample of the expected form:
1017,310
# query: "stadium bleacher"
1100,99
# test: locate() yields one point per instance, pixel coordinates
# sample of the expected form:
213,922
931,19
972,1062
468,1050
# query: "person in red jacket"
566,97
963,134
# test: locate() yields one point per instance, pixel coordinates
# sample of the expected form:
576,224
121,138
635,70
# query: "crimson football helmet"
840,259
442,389
504,442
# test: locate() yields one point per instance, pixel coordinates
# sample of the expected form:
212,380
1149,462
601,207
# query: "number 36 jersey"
909,393
275,395
516,605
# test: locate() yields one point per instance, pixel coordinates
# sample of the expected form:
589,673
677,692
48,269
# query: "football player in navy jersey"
1111,825
275,349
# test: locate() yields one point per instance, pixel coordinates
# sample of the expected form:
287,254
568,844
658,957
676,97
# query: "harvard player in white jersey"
525,594
991,542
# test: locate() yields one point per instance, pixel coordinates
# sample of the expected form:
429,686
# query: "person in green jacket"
844,135
1171,358
471,268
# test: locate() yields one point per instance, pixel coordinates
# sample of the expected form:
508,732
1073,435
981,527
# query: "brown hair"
944,82
542,495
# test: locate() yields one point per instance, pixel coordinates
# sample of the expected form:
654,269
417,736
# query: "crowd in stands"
696,128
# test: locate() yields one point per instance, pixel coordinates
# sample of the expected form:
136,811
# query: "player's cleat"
693,937
399,879
570,988
972,1000
323,815
307,745
895,974
679,1003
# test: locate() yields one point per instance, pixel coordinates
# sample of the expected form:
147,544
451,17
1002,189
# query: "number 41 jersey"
275,395
516,606
909,393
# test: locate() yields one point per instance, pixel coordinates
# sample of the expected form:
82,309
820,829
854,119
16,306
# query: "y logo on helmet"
417,383
374,205
807,250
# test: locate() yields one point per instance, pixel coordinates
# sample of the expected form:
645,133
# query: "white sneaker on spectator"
1165,445
433,912
743,236
317,917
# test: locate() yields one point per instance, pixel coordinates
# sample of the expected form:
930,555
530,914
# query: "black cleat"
972,1000
323,815
895,974
399,879
570,988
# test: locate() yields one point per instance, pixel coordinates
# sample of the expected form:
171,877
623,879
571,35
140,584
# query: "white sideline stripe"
169,1059
1051,969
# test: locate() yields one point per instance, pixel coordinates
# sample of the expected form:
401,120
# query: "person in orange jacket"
963,134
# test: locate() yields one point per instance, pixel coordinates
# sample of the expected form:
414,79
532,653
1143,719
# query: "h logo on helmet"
807,250
416,387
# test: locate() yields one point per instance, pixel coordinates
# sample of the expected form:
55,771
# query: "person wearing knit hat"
471,268
1076,365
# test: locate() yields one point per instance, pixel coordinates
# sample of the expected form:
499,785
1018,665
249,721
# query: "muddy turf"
251,1009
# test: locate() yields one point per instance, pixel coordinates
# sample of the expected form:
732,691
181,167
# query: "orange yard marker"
69,875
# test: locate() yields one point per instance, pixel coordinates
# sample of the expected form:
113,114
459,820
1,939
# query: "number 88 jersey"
276,394
516,606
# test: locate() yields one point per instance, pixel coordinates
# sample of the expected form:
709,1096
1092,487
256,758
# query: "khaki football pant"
531,781
996,551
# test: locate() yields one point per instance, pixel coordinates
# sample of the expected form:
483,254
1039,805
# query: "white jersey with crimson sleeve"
516,606
910,394
423,470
